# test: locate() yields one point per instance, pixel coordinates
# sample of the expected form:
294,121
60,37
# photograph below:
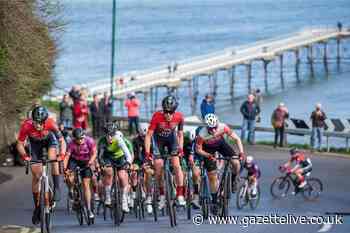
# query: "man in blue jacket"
207,105
250,110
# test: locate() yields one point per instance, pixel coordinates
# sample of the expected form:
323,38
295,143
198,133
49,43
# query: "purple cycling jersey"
81,152
253,170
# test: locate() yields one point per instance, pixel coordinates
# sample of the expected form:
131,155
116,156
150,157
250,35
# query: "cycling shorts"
161,146
73,164
37,147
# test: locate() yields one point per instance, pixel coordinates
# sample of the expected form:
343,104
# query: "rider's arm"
181,134
123,146
237,139
93,154
148,139
101,151
22,136
199,148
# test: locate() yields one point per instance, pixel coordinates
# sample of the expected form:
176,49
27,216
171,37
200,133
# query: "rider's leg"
301,178
253,184
158,169
124,185
87,191
213,180
107,183
134,180
179,176
196,181
36,174
56,177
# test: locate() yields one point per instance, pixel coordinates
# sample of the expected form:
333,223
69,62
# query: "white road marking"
25,230
325,227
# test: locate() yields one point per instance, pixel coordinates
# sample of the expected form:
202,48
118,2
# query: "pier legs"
156,98
297,65
325,57
190,95
215,88
145,98
195,94
211,86
266,63
249,75
310,59
232,83
338,54
281,70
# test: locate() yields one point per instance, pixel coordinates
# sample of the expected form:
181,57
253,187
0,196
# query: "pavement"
16,204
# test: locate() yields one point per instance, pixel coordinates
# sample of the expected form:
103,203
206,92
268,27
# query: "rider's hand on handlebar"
181,153
212,158
148,157
26,158
242,156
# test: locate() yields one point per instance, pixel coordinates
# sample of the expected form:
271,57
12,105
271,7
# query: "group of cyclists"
165,134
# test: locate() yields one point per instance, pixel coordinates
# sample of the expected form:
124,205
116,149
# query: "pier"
188,72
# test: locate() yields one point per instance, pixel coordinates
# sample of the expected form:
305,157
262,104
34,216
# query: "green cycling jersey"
119,147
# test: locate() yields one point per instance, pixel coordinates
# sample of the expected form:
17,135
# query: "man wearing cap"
278,122
318,118
133,106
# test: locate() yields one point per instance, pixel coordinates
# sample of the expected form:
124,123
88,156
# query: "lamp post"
113,46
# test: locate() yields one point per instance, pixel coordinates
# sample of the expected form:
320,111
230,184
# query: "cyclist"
210,140
113,151
162,133
253,175
81,152
193,162
302,167
41,132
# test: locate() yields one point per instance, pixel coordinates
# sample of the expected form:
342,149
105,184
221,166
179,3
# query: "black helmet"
169,104
110,128
78,133
40,114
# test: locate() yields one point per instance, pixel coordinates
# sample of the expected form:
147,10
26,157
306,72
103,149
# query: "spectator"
258,100
81,112
66,112
340,26
250,110
106,108
278,123
207,105
133,106
64,133
96,116
318,118
74,93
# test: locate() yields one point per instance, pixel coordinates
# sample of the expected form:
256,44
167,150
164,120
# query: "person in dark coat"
106,108
250,110
66,112
96,116
318,118
207,105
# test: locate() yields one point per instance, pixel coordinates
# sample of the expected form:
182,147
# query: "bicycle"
244,195
224,189
46,201
189,196
140,199
116,194
80,207
280,186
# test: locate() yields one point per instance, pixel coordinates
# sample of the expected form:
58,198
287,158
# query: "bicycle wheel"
226,197
138,202
241,199
204,197
254,201
82,206
280,187
117,213
312,189
155,201
169,200
42,207
188,197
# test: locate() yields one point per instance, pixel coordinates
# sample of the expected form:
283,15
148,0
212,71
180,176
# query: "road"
16,203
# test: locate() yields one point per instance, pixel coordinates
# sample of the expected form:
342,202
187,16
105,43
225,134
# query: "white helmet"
249,159
211,120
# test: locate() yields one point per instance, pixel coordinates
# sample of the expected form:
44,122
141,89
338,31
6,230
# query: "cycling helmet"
78,133
169,104
110,128
40,114
293,151
192,135
249,160
211,120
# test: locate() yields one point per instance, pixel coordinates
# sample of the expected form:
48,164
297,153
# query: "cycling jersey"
301,160
253,170
81,152
163,128
213,140
119,148
27,130
139,149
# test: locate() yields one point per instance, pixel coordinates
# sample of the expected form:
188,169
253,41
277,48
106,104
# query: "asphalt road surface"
16,204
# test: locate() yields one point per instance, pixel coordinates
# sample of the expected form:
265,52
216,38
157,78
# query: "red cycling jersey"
164,128
28,130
